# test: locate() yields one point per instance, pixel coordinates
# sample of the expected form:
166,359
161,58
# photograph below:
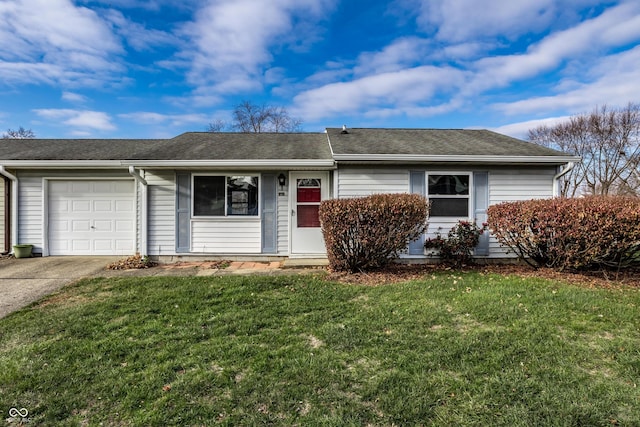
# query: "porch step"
305,263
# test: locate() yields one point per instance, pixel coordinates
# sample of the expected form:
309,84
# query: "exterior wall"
3,203
161,212
228,236
508,185
357,182
207,235
31,200
283,223
505,184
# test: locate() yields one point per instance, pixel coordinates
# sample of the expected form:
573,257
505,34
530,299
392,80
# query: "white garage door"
91,217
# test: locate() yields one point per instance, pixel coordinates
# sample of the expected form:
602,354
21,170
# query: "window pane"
448,185
242,195
208,195
308,216
450,207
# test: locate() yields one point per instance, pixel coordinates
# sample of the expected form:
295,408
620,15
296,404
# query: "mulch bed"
402,272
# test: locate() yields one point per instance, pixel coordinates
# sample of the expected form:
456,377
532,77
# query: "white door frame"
314,234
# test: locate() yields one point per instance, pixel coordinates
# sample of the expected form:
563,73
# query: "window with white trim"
449,194
227,195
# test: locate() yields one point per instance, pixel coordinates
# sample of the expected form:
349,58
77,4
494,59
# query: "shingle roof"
358,143
188,146
431,142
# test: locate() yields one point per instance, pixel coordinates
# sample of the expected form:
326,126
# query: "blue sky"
157,68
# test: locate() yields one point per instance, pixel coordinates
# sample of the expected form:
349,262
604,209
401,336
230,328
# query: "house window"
449,195
235,195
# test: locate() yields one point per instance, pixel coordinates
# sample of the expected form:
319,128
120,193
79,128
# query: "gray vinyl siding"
2,224
355,182
508,185
30,210
505,184
226,236
283,223
161,212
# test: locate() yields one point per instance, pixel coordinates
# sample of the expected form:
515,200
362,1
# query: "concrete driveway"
25,280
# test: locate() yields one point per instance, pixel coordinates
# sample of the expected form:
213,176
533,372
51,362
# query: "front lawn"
449,349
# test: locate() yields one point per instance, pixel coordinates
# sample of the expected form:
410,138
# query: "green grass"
452,349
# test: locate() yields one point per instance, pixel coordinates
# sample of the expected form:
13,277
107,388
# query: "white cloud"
231,40
152,118
74,97
613,81
521,129
401,91
467,20
401,53
51,41
137,35
83,119
616,26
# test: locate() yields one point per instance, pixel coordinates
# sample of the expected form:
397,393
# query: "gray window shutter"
417,184
269,214
481,203
183,212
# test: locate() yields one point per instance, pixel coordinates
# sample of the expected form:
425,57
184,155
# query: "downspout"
13,205
143,215
556,178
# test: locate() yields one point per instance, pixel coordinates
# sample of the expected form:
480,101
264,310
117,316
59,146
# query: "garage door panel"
124,206
102,206
91,217
59,226
80,206
80,225
59,187
124,226
104,187
59,205
81,245
81,187
124,245
103,226
122,187
103,244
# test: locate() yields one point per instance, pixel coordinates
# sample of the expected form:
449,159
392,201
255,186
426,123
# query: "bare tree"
218,125
20,133
607,140
253,118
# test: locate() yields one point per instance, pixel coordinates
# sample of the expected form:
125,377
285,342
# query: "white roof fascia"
63,164
118,164
409,158
275,163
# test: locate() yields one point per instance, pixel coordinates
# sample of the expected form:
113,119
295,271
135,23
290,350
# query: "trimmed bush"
369,232
579,234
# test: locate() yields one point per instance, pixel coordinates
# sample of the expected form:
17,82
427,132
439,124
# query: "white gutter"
143,215
273,164
233,164
408,158
14,205
60,164
556,178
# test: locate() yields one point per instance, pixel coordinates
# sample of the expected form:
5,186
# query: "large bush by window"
584,233
369,232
